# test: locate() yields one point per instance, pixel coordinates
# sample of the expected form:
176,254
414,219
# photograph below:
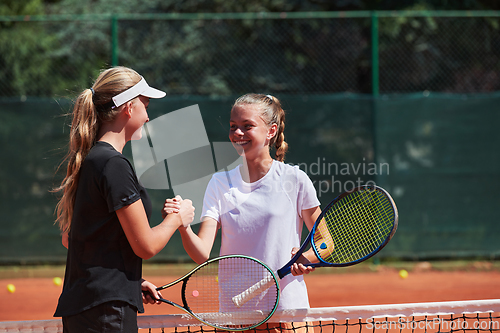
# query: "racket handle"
253,291
284,271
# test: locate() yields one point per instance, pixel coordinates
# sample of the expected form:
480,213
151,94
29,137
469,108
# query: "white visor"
140,89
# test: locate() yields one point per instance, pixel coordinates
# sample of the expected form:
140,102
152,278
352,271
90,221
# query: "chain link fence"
231,54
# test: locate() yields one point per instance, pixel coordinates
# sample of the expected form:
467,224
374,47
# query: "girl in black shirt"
104,211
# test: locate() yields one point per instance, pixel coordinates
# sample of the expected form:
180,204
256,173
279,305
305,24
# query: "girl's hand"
183,207
149,289
171,206
300,267
186,211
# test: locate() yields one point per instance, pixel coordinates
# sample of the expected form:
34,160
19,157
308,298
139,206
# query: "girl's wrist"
182,228
173,218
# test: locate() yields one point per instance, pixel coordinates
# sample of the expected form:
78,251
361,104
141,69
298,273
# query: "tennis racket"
207,290
352,228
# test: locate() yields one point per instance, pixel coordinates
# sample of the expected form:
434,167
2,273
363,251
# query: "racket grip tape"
253,291
284,271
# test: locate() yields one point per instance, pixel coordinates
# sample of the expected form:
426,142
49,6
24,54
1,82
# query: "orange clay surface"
36,297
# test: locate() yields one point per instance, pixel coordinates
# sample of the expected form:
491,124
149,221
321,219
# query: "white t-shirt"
263,219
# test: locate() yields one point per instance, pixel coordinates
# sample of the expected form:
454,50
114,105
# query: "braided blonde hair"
92,108
272,113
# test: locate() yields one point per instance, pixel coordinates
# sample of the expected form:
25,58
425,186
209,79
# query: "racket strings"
209,291
375,234
358,224
365,229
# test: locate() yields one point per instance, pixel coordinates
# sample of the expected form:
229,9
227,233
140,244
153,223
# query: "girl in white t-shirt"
259,206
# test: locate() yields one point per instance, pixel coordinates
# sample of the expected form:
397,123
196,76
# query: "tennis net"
444,317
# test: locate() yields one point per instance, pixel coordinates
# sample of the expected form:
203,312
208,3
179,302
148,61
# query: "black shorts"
115,316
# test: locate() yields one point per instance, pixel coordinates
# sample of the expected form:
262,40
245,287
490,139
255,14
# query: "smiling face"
248,132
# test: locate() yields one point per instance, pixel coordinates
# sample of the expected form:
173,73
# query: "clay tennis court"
36,297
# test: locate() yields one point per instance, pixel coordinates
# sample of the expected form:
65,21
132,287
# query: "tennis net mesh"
444,317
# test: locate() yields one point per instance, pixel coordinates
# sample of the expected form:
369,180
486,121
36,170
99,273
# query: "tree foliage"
213,57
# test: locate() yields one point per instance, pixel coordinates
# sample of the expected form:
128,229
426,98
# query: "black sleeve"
119,183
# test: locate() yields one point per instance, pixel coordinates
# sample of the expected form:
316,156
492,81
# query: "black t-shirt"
101,265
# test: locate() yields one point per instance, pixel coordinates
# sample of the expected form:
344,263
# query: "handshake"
183,207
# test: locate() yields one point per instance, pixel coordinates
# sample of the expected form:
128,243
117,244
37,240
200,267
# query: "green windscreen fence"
445,170
436,154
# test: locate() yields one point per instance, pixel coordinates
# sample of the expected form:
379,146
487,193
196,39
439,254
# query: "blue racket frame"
285,270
